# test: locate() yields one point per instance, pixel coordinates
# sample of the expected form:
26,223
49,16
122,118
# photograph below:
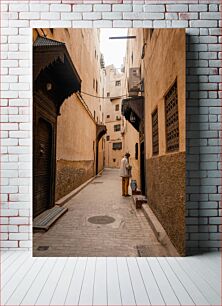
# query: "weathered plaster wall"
164,62
113,116
76,126
71,174
131,135
130,138
101,154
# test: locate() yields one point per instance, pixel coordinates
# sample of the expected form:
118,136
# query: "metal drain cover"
101,220
97,183
42,248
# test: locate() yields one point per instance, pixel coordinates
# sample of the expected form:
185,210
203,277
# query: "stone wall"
71,174
166,178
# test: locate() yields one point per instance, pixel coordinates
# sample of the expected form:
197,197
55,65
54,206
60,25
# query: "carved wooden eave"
134,107
53,64
100,131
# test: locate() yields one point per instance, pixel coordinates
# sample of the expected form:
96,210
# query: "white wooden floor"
26,280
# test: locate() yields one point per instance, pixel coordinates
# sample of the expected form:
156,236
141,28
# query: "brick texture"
201,19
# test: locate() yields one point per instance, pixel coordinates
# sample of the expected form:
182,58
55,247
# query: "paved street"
73,235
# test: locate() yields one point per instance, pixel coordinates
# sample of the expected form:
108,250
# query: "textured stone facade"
166,181
71,174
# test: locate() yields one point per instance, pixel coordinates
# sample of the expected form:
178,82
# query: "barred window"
117,146
155,132
171,119
117,127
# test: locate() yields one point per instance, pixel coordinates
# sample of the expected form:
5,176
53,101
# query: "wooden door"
42,164
142,168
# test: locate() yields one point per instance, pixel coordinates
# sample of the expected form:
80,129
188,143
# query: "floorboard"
126,289
86,295
8,274
212,278
4,255
139,288
113,285
100,284
208,292
151,285
182,295
75,286
47,292
39,282
187,281
18,277
27,280
165,287
63,284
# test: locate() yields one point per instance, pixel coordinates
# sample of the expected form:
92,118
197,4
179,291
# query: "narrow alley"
87,121
74,235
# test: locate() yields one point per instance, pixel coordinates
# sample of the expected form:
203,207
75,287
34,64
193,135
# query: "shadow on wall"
192,147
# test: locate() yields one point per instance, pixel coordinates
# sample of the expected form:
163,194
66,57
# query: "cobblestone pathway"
73,235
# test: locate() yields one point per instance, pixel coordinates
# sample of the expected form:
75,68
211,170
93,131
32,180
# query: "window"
155,133
171,119
108,94
94,114
96,86
118,83
108,116
117,107
117,146
136,150
114,160
116,127
93,83
107,137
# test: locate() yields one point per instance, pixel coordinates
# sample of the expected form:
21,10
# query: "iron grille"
172,123
155,133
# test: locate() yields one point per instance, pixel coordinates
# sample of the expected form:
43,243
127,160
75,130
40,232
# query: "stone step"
136,192
48,218
138,200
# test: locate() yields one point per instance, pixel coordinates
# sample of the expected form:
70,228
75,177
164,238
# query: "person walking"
125,173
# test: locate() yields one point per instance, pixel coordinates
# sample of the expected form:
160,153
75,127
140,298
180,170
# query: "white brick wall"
204,90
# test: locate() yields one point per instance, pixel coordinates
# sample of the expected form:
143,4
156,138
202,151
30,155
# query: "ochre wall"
109,109
131,135
101,154
76,132
71,174
164,62
76,126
